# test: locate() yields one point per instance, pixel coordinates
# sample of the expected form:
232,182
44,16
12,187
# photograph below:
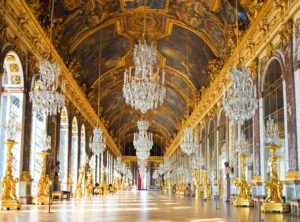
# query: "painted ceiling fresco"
189,57
187,33
113,48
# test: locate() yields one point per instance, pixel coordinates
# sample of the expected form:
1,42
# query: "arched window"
273,107
211,149
82,145
74,151
63,147
203,148
12,102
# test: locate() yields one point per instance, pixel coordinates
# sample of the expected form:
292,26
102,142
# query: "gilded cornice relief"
262,30
24,25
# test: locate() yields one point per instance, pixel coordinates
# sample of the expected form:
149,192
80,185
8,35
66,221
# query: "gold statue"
44,183
197,184
207,193
274,201
89,184
244,195
8,196
79,182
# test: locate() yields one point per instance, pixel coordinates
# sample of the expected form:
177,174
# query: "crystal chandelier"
44,95
98,143
12,128
143,141
187,142
144,88
240,102
44,91
45,142
143,91
272,134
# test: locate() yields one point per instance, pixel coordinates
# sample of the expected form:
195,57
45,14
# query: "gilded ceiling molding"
24,24
262,31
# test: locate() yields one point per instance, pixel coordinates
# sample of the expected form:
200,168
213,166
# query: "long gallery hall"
150,110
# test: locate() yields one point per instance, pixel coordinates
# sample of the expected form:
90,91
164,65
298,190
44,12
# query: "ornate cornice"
261,32
23,24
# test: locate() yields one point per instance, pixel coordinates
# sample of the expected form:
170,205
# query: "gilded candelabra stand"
44,183
197,184
207,193
104,185
8,196
119,182
244,196
274,201
170,185
79,193
88,186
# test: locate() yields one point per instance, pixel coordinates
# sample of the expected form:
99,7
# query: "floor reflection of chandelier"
44,95
240,102
143,141
187,143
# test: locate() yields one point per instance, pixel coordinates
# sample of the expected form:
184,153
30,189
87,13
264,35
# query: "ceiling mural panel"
113,48
188,53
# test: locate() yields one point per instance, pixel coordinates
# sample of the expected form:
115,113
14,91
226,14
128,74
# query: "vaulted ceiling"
188,35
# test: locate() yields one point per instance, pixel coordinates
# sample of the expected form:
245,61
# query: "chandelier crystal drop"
187,142
143,141
98,142
44,95
240,100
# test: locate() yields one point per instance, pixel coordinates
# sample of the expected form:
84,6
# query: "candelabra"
207,193
195,166
88,186
8,196
79,192
274,201
44,183
240,104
